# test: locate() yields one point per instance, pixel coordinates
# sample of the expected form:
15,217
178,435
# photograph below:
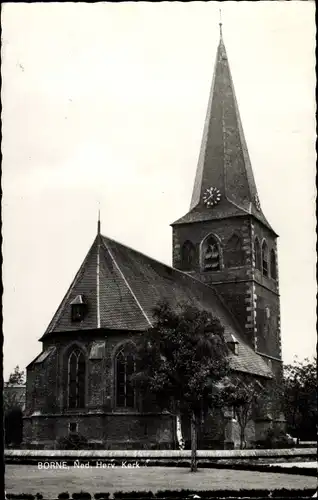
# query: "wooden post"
194,465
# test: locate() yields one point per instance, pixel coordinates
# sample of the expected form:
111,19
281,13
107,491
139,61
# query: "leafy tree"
11,398
300,398
13,402
246,397
17,377
181,360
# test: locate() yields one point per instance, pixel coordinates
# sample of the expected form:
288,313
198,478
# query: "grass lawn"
49,482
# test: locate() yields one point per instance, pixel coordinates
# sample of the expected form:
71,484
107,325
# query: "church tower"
225,239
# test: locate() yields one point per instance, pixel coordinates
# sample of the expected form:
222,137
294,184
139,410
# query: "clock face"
211,196
257,202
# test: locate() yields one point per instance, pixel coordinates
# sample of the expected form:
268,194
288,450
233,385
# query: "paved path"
50,482
295,464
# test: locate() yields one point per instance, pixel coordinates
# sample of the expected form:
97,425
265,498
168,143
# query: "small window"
187,256
211,255
73,427
233,345
265,259
273,265
257,249
267,312
234,255
78,308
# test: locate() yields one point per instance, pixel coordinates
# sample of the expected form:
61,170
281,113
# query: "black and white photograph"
159,250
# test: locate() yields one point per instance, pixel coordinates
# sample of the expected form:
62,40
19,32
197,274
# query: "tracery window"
187,256
273,265
234,253
257,249
265,258
211,254
125,366
76,379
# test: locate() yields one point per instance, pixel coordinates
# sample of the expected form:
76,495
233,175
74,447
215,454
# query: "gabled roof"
224,162
121,286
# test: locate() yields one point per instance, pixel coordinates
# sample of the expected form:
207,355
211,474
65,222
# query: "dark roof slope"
224,160
121,287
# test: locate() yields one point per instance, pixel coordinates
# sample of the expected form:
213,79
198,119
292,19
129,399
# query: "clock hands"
211,196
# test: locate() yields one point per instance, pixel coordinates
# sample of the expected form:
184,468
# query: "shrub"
174,493
283,492
38,496
64,496
133,494
73,441
101,496
275,438
82,495
252,493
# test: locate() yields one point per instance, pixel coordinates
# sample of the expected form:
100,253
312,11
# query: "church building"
224,261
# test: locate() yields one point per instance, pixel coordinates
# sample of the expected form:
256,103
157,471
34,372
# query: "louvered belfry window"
211,255
76,379
125,367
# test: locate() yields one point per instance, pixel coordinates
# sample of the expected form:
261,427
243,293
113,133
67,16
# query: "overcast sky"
106,103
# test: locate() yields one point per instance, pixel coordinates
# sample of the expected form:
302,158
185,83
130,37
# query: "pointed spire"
224,183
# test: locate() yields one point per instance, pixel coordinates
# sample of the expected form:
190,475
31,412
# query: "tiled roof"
121,286
224,162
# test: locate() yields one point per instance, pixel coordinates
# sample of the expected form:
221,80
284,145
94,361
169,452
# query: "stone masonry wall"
47,414
110,431
233,283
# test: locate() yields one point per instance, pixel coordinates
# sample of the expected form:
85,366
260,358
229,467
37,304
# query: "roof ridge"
59,311
124,278
137,251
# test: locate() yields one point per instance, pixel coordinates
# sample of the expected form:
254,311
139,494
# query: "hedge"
282,493
180,494
82,495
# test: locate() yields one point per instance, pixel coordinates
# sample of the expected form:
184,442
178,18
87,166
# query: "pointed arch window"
187,255
273,265
257,248
265,258
76,379
211,254
125,366
234,254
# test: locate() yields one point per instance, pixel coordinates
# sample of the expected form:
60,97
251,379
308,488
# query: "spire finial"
220,24
98,221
